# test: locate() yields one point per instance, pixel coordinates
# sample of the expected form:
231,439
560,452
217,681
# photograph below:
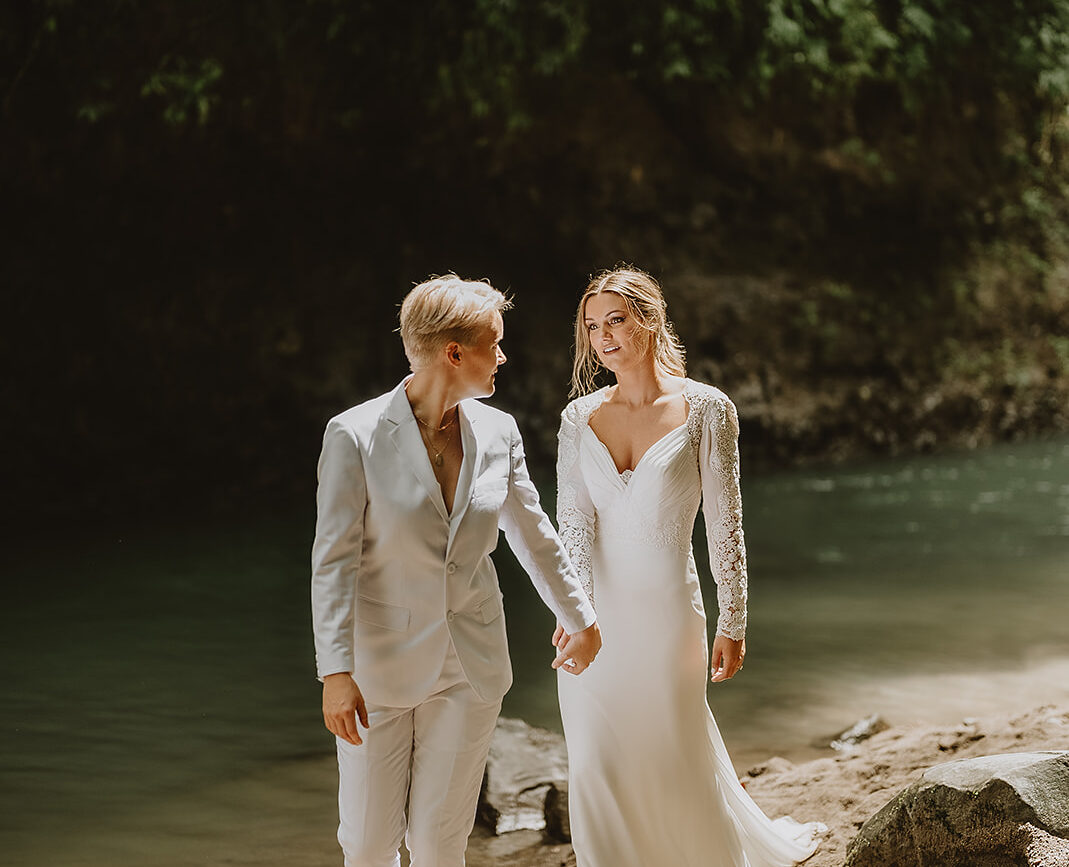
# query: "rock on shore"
524,765
843,790
989,810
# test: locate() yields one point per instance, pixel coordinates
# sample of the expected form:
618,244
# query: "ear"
454,352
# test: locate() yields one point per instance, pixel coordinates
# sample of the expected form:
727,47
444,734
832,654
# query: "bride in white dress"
650,781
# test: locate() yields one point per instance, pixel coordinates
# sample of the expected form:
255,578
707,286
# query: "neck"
431,398
641,385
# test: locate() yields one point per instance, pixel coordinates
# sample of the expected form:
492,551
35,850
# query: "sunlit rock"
994,811
860,731
523,764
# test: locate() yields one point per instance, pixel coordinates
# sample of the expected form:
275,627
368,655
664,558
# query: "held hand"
727,658
342,702
576,652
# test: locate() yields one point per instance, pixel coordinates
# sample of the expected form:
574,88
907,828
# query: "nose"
501,358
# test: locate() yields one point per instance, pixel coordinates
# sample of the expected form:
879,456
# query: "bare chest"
629,433
445,451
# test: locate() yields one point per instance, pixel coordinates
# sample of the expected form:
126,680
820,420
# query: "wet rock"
524,762
994,811
558,826
774,765
860,731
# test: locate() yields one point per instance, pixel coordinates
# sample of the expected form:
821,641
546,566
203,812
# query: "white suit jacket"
395,577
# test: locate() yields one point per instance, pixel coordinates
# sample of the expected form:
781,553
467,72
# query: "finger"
557,633
717,661
336,727
563,640
330,723
572,664
349,730
361,710
727,670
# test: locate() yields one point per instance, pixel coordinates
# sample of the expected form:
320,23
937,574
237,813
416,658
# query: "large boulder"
995,811
524,763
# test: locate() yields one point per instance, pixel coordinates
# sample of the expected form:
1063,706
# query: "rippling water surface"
142,665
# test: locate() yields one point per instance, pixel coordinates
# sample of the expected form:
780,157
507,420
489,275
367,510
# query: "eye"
616,320
591,326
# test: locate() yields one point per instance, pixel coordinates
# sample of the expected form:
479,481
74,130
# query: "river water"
144,664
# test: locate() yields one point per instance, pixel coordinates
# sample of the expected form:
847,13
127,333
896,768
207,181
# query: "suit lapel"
405,437
466,481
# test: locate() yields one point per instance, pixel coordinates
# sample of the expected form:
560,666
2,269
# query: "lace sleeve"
575,512
722,505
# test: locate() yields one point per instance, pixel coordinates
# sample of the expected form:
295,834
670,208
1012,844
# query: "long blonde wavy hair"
644,301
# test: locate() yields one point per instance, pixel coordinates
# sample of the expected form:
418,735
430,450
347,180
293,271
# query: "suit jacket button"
449,615
451,568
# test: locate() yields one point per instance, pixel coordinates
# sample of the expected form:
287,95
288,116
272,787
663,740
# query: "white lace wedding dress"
650,781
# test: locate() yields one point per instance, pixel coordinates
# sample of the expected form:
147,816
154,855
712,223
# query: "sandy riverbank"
284,816
845,790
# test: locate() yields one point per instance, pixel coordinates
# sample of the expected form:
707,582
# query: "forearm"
540,550
542,554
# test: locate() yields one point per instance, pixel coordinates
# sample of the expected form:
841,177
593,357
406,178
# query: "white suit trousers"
428,758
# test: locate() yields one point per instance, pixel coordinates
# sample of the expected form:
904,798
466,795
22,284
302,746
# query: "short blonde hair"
644,301
444,309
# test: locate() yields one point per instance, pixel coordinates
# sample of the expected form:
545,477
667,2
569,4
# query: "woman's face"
481,359
617,339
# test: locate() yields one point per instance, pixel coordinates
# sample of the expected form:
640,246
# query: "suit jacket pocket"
490,609
382,614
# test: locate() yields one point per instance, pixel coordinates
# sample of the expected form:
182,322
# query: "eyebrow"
610,313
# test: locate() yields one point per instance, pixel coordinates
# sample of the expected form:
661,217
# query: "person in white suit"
407,613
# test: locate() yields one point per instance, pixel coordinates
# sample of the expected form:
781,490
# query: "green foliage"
823,47
493,58
186,88
242,191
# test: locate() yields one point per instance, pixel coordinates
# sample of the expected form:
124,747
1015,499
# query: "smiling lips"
605,350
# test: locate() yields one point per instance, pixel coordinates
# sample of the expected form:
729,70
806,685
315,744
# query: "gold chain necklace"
438,459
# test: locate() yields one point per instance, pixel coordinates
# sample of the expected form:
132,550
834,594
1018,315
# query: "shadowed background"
214,209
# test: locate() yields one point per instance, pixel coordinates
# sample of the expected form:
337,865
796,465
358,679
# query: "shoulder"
490,419
362,418
705,395
579,410
711,405
704,392
476,410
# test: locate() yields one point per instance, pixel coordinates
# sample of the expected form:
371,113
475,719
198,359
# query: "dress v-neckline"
620,474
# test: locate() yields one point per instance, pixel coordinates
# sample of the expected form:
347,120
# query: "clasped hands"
343,703
575,652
